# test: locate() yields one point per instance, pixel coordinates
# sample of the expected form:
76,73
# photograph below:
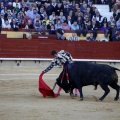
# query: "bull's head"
63,82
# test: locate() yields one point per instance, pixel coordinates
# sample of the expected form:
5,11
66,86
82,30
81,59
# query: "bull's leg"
71,93
117,88
106,89
95,84
81,94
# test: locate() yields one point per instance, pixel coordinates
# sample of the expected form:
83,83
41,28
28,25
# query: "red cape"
44,88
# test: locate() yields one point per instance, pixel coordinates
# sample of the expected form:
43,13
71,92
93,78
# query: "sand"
21,100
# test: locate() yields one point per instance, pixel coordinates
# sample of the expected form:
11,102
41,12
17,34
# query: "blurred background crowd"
59,15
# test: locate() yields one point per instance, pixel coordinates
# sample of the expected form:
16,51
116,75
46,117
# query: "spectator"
16,3
2,7
14,25
48,8
104,28
34,14
49,25
79,22
27,18
10,6
112,31
7,13
66,11
22,14
60,35
82,29
29,12
111,3
37,18
52,30
43,26
58,9
104,21
4,10
118,24
24,8
53,5
65,26
90,4
98,17
71,16
34,6
37,27
88,12
72,6
93,26
2,18
58,25
39,5
41,10
9,18
91,38
117,38
14,14
18,19
17,9
46,20
22,24
52,17
6,24
73,38
84,8
87,22
0,23
117,15
75,26
29,25
62,17
69,21
97,23
56,19
64,3
6,3
44,14
112,21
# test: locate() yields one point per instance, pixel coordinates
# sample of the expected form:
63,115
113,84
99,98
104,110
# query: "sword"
54,85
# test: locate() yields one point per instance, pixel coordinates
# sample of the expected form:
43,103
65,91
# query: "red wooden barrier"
42,48
3,36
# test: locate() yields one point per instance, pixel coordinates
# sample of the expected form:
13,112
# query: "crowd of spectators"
59,15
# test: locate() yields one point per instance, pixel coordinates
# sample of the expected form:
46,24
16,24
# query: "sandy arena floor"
21,100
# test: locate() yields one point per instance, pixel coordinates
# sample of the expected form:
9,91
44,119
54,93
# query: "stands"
15,46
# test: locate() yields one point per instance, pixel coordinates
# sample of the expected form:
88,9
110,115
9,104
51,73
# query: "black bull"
87,73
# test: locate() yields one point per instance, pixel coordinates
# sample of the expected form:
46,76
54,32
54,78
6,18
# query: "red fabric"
44,89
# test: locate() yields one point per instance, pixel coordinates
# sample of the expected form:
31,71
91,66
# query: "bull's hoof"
116,98
100,99
95,88
81,99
